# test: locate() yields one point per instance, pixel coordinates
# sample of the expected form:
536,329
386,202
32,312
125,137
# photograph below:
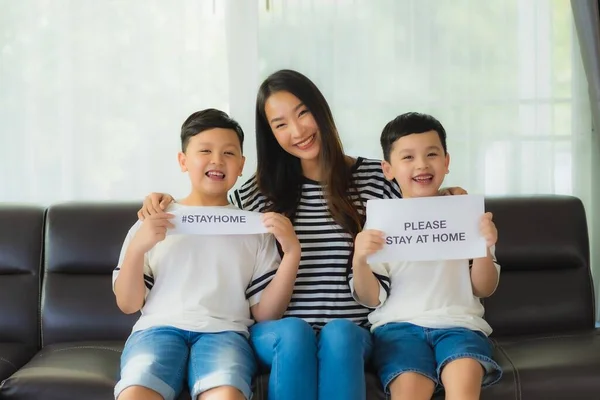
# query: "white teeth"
422,178
301,144
215,173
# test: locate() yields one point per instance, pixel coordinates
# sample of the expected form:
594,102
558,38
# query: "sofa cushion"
545,284
83,242
76,370
21,230
13,356
67,371
557,366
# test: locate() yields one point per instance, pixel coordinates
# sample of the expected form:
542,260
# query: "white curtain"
93,93
587,22
503,76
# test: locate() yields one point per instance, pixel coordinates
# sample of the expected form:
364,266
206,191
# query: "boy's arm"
369,284
368,288
276,291
132,276
485,274
129,286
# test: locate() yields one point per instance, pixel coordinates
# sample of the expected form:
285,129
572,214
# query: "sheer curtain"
504,77
587,22
93,94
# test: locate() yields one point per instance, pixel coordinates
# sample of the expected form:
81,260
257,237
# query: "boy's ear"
182,161
387,170
242,165
447,162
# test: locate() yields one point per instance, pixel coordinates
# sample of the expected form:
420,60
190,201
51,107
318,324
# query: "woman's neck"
312,169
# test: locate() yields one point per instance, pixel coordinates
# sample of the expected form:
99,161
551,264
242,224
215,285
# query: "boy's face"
418,163
213,160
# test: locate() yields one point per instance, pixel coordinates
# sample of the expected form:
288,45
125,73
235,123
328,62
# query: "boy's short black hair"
204,120
407,124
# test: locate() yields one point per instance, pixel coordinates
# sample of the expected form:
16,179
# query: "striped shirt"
321,292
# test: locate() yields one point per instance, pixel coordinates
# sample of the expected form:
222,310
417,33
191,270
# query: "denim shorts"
162,358
404,347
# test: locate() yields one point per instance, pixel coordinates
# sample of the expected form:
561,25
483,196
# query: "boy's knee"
222,393
139,392
462,372
411,385
462,379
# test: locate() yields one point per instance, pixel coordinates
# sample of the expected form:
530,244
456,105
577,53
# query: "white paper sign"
216,221
428,228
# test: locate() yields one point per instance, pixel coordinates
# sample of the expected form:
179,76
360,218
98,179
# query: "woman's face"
293,125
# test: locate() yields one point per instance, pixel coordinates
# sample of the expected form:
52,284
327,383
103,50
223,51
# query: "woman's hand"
154,203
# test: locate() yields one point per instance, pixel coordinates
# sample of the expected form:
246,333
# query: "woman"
320,349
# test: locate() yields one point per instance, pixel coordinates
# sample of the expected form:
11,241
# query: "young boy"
428,327
198,293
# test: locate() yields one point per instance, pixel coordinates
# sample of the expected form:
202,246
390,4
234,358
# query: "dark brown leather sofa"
61,333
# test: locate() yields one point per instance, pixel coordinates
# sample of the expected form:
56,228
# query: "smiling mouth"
215,175
305,144
425,178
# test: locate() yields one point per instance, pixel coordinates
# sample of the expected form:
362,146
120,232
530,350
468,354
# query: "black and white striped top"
321,291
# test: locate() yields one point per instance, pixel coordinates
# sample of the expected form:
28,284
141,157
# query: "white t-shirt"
204,283
431,294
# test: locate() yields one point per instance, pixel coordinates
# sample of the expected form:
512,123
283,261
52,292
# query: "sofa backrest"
21,229
83,242
545,284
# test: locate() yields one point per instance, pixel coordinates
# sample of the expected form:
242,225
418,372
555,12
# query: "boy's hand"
453,191
152,231
488,229
154,203
283,230
368,242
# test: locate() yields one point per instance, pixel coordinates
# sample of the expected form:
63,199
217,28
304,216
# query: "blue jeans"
404,347
307,366
164,358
